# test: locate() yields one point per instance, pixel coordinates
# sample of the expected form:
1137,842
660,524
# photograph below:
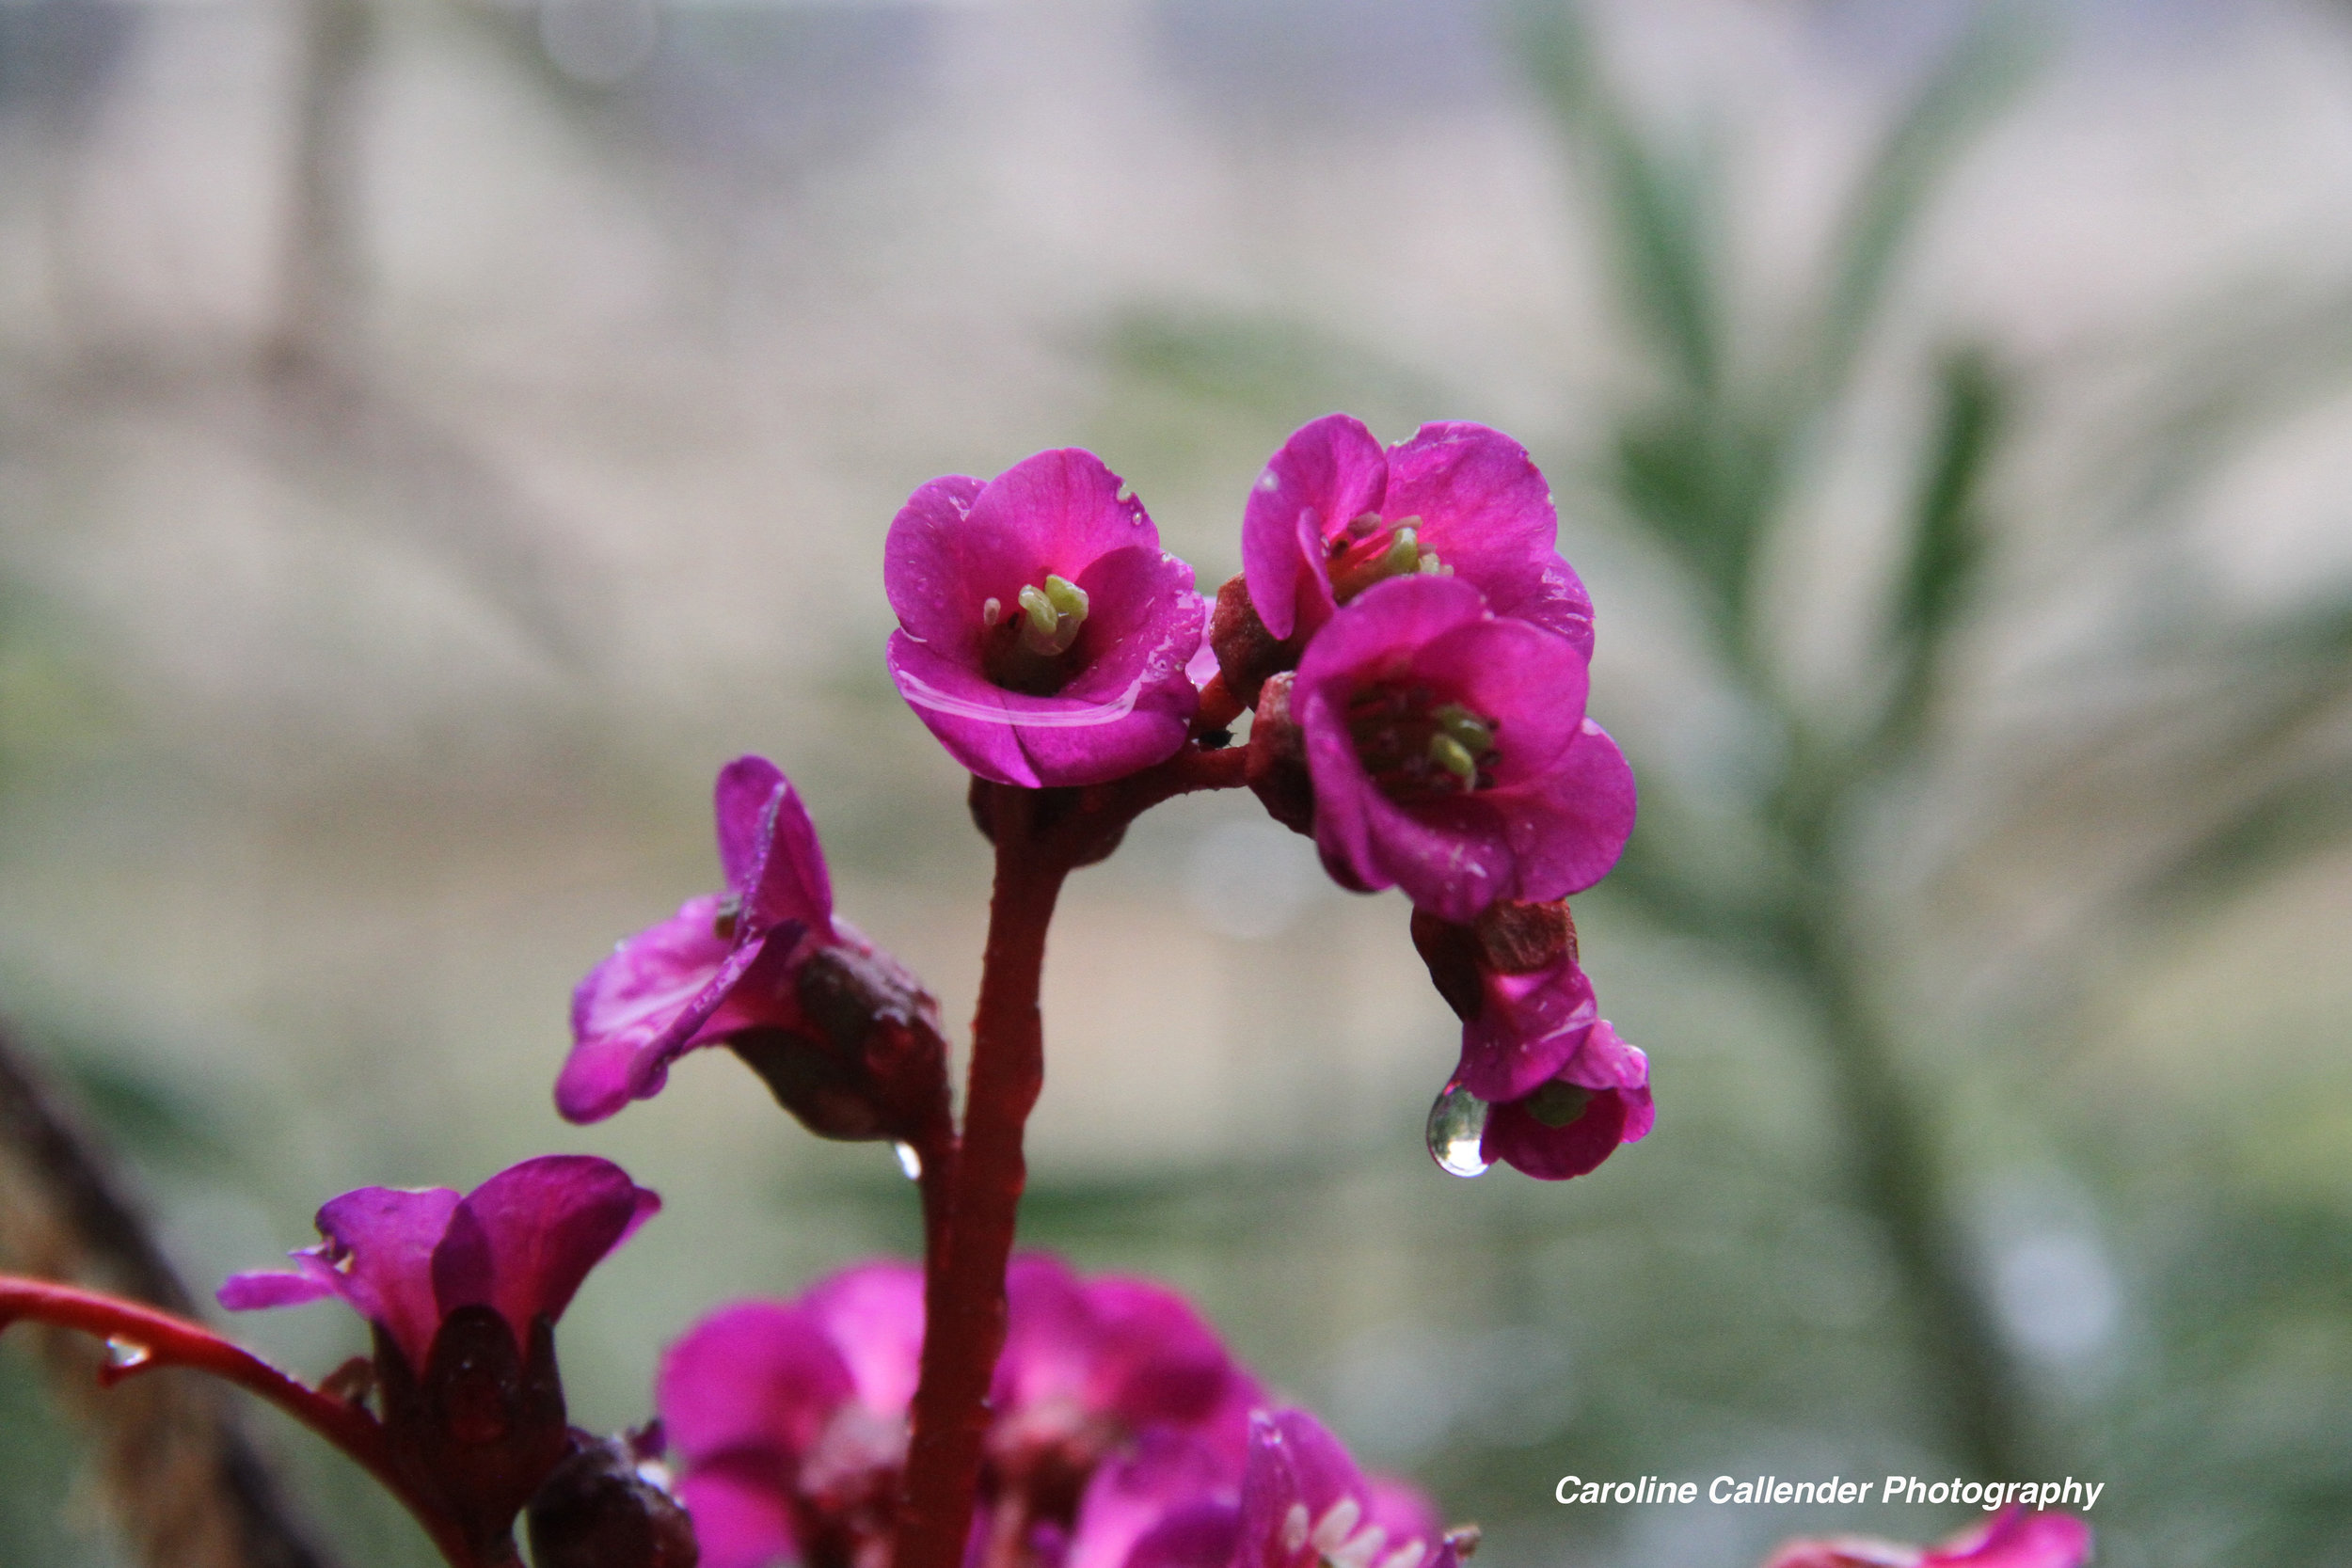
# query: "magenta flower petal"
380,1241
755,1376
524,1240
784,880
643,1006
1304,1504
873,1315
1569,1125
265,1288
1115,698
1530,1026
738,1522
741,796
1127,1349
1174,1502
1327,474
2016,1539
521,1242
1486,513
1549,803
1329,516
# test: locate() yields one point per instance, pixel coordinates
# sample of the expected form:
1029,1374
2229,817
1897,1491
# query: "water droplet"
126,1356
908,1160
1457,1122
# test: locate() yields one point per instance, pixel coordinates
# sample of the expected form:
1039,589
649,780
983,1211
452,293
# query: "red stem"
1039,839
174,1341
964,1294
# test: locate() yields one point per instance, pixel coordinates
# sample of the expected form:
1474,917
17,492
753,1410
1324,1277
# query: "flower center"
1556,1103
1418,748
1368,550
1029,651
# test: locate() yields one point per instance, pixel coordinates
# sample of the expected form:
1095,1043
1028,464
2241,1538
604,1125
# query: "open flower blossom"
1044,633
1334,513
1573,1120
2016,1539
767,967
1450,755
790,1418
1301,1503
520,1244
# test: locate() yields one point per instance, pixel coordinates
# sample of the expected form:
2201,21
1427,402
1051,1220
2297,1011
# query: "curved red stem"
171,1340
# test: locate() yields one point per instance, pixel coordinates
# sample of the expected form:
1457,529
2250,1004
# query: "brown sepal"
1275,765
1246,653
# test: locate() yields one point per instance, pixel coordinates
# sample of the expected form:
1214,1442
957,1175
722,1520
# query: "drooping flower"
2016,1539
1333,514
1449,754
1302,1503
790,1418
1568,1124
1044,633
464,1293
1513,980
845,1037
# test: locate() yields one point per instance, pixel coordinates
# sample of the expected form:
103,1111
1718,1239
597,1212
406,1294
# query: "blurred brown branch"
186,1488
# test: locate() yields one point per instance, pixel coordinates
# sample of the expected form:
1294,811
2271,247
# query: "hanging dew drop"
126,1356
1457,1124
908,1160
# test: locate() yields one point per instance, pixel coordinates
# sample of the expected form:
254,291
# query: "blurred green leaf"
1963,92
1662,207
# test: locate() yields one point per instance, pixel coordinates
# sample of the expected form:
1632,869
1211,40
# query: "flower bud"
1247,652
605,1507
1276,765
865,1061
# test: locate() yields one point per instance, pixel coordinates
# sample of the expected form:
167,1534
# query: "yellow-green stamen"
1556,1104
1051,616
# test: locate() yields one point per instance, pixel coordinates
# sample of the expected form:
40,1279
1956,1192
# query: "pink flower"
1301,1503
790,1418
1334,514
1449,754
845,1037
2017,1538
1569,1123
405,1260
1044,633
464,1293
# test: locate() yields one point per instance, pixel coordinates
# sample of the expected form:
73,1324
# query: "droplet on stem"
1457,1125
909,1159
126,1356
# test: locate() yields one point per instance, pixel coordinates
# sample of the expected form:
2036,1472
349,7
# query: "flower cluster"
1415,653
1120,1434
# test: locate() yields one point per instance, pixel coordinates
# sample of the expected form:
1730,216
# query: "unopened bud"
606,1507
1275,766
867,1062
1246,653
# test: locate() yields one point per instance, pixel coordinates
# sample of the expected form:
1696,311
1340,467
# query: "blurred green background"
434,436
